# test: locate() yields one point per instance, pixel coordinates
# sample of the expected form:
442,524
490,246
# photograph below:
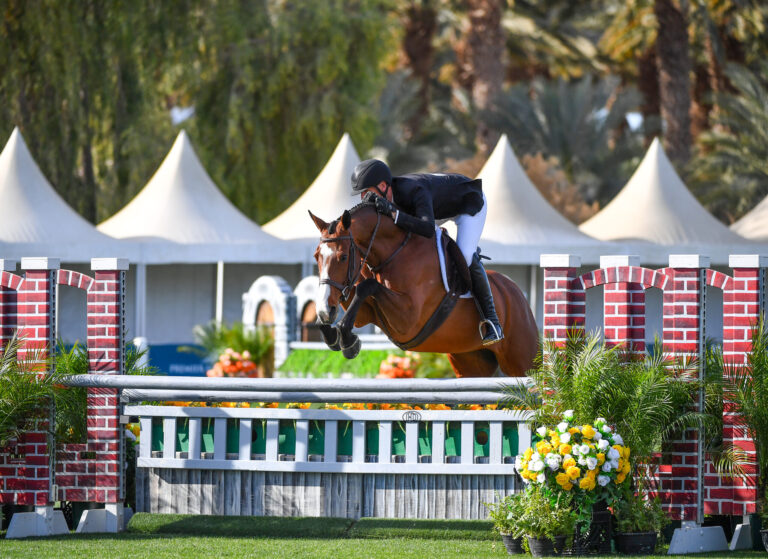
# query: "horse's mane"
354,209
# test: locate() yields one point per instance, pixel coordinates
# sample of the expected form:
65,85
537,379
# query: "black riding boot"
481,290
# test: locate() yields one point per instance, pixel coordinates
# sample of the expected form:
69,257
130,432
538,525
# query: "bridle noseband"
352,277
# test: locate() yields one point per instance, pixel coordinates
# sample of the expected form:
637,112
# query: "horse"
384,276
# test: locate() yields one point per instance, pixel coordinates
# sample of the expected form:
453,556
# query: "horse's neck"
388,237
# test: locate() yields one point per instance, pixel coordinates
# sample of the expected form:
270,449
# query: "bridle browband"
352,277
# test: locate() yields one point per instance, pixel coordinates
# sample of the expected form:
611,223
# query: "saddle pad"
453,260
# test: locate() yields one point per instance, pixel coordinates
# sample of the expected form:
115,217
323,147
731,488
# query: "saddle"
456,280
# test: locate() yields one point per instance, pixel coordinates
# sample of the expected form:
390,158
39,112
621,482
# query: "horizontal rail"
295,385
400,397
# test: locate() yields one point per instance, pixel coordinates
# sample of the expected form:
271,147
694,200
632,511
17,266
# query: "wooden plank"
273,494
453,497
300,505
411,488
217,483
288,490
206,492
467,442
258,483
302,440
385,442
390,496
411,442
438,442
368,496
331,442
145,436
169,437
358,441
379,496
424,496
246,494
440,496
220,438
195,438
523,436
400,488
354,484
194,492
232,489
181,491
273,432
141,485
154,480
495,443
246,436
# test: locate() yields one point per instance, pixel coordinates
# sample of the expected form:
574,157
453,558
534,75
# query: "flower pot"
514,545
635,543
764,535
544,547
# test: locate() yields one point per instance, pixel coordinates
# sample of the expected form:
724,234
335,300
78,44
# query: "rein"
352,278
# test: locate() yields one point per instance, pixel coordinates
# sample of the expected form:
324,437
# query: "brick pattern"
9,284
564,304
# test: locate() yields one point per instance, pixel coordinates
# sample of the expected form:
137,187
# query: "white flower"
582,461
542,431
615,464
613,454
598,436
575,449
591,462
536,456
584,449
562,427
602,481
603,444
565,438
607,466
605,429
541,478
553,461
568,414
599,420
519,463
535,465
617,439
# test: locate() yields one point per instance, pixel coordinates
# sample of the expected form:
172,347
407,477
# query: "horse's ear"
319,223
346,219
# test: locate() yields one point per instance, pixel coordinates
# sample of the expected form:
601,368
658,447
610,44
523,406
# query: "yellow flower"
562,479
543,448
568,463
592,474
588,431
620,478
565,449
625,453
568,486
573,472
600,458
554,441
528,453
625,470
573,430
587,483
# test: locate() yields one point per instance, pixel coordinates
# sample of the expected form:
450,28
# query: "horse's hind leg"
480,363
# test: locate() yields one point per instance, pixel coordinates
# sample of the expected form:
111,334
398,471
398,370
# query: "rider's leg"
468,231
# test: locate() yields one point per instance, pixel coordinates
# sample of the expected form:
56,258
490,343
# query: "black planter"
545,547
514,545
635,543
595,538
764,535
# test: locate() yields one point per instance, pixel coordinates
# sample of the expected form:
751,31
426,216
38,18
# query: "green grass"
160,536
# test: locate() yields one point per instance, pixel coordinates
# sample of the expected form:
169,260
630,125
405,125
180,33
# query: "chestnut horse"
381,275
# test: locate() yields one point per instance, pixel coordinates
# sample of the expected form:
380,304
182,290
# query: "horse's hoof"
350,352
331,337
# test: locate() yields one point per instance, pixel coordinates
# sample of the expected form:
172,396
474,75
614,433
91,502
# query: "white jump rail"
359,462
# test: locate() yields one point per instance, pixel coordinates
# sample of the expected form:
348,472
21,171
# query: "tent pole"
533,293
141,301
219,292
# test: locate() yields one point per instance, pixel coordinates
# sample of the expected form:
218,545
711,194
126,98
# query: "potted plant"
639,520
546,520
504,513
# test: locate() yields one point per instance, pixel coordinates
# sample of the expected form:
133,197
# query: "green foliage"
71,402
505,511
23,394
215,338
645,400
319,362
544,515
636,513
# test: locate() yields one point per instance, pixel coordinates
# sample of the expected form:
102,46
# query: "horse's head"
334,265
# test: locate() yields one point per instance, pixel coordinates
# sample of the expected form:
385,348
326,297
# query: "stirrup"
492,335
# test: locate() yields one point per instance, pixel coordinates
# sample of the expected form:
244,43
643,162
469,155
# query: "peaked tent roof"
754,224
655,206
36,221
182,216
328,196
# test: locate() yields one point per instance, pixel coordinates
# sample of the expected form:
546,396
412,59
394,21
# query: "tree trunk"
674,78
420,26
483,63
87,175
648,84
701,106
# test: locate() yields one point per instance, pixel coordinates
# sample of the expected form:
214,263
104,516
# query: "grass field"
161,536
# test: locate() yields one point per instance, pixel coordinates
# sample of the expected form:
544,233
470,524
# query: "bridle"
352,277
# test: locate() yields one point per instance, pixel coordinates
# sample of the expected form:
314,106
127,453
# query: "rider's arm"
423,222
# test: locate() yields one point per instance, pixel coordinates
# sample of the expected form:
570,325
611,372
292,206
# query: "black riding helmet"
370,173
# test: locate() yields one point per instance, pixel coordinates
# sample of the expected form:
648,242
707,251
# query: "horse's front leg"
350,342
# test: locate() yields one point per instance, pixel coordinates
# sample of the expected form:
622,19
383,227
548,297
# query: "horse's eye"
343,257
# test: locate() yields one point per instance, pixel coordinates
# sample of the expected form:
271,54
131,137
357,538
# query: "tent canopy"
754,224
182,216
36,221
327,197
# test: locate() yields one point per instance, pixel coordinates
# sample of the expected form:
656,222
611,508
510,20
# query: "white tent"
754,224
182,218
36,221
327,197
655,208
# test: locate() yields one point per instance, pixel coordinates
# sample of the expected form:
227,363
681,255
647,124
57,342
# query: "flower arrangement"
397,366
234,364
591,459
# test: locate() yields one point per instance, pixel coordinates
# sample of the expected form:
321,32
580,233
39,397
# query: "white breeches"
468,231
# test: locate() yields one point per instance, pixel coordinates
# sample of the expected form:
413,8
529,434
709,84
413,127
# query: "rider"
414,202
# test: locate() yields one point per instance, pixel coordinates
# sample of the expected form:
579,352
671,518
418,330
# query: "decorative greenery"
636,513
216,339
505,511
319,362
544,515
23,392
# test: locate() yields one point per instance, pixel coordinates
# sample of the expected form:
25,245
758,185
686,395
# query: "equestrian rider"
414,202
